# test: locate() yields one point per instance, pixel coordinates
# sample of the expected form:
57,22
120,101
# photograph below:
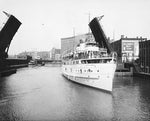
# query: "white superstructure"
90,65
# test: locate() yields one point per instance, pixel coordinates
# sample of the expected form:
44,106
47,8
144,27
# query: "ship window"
104,61
82,61
73,62
100,61
89,70
77,62
93,61
80,70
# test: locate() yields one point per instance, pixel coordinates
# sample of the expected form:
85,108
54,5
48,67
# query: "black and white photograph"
74,60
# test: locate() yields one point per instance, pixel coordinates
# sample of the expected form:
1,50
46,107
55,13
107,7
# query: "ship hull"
94,75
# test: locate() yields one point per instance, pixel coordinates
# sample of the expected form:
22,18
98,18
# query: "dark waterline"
42,93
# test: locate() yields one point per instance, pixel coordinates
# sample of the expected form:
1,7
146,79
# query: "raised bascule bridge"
7,33
99,34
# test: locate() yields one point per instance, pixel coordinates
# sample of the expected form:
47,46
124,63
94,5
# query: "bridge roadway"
10,66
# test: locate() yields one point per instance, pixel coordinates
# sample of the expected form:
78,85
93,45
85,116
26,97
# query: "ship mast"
89,22
74,38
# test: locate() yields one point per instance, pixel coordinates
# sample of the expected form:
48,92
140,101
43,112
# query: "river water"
42,93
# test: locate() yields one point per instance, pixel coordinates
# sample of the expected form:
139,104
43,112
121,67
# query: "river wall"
10,66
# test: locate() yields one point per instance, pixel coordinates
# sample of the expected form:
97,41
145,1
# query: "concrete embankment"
142,75
130,69
10,66
123,71
7,72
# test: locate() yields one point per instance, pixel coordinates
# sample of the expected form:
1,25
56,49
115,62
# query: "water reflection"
89,104
42,93
128,100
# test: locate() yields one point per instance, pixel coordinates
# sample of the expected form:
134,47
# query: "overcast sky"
45,22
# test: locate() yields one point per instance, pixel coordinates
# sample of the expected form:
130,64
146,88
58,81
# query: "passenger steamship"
92,63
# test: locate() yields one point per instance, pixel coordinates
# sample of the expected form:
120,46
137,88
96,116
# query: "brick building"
45,55
127,48
144,56
68,44
55,54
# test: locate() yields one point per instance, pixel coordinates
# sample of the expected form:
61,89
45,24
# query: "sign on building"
128,46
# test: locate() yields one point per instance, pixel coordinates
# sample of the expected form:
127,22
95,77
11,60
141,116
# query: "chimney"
122,36
109,39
